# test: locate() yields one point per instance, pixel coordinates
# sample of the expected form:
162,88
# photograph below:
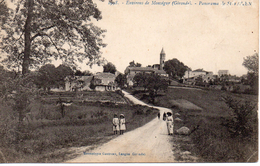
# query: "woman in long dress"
169,122
122,124
115,124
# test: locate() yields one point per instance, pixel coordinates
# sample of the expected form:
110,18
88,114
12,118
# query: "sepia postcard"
129,81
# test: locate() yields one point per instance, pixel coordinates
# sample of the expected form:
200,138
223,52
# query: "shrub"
243,118
120,93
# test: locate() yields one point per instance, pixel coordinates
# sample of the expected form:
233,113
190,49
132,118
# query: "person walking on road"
159,115
115,124
122,124
164,116
169,123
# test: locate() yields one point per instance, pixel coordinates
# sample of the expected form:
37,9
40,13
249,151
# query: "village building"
156,68
105,82
79,83
223,72
191,76
101,81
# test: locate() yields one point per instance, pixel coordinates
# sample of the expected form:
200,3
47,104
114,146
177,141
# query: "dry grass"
84,124
211,142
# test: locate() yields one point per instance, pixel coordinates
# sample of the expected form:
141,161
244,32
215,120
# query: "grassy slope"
48,132
211,141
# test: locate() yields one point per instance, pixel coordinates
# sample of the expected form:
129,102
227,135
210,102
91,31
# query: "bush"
243,118
120,93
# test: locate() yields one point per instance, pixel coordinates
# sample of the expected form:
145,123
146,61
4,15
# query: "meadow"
46,136
212,140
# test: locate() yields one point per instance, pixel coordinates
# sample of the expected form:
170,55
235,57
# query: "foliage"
37,30
199,81
17,92
175,68
110,68
133,64
252,63
152,82
3,12
62,72
84,73
121,80
140,79
49,76
243,118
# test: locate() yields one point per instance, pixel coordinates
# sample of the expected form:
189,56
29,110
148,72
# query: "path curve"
149,143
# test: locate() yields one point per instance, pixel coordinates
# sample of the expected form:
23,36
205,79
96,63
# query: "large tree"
62,72
109,68
252,64
37,30
150,81
3,12
175,68
46,77
121,80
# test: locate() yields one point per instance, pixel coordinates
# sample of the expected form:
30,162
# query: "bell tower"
162,59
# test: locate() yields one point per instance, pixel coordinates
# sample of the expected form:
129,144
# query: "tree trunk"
27,37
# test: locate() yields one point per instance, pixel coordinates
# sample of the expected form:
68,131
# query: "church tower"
162,59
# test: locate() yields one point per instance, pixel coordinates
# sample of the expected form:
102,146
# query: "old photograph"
129,81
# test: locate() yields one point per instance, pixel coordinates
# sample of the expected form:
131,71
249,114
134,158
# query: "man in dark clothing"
164,116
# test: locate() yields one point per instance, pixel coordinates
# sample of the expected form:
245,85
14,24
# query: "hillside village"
164,111
106,81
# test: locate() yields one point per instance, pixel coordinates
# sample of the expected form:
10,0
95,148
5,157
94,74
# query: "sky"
212,37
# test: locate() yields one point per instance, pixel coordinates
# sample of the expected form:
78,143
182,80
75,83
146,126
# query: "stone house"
132,71
105,82
191,76
78,83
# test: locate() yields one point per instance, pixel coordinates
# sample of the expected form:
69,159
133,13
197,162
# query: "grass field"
84,124
210,141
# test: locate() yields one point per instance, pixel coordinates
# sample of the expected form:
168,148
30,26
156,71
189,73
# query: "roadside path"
149,143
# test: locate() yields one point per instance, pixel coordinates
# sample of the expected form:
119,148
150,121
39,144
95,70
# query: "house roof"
84,78
160,71
105,75
199,70
140,68
150,69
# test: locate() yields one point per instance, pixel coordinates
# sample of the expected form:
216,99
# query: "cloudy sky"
201,36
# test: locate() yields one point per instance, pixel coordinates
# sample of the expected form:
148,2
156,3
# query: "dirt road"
149,143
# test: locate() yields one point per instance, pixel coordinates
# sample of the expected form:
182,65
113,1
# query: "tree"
22,91
121,80
47,77
109,68
141,80
175,68
84,73
62,72
199,81
151,81
133,64
3,12
243,118
252,64
37,30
